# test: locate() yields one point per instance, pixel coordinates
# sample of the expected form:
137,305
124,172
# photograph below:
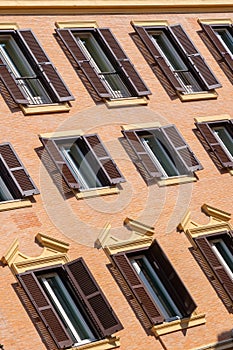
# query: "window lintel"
76,24
217,21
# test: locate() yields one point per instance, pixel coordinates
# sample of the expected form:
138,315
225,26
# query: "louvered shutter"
104,159
60,162
143,158
45,309
17,174
209,30
143,34
181,148
123,61
195,58
171,280
207,132
93,298
83,62
44,66
206,250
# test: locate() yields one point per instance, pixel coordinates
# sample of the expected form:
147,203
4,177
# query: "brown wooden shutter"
171,280
104,159
60,162
209,30
206,250
123,61
45,68
70,42
143,158
207,133
183,151
195,58
11,163
45,309
93,298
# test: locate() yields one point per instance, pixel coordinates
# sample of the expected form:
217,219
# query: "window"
100,57
15,182
83,161
219,138
155,284
161,152
26,71
70,303
178,58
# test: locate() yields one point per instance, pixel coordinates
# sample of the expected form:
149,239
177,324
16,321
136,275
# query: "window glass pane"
225,139
224,255
5,194
226,39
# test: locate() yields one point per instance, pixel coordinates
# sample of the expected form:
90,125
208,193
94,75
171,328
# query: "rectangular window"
104,63
178,58
162,152
27,72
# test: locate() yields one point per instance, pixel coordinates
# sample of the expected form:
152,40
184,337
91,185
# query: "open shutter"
45,309
143,34
143,158
93,298
181,148
104,159
56,156
83,62
18,175
208,29
194,57
45,66
206,250
139,291
214,145
123,61
171,280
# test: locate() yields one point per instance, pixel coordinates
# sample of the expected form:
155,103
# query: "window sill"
169,327
124,102
176,180
40,109
105,344
22,203
96,192
198,96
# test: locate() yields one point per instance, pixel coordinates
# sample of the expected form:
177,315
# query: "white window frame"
216,31
221,142
219,255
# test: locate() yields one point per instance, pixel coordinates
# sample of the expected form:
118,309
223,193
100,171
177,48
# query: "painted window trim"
15,204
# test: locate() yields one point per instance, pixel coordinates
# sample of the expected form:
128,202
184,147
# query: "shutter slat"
143,157
56,156
107,164
45,66
143,34
137,288
124,63
214,145
93,298
17,171
195,57
31,285
71,43
182,149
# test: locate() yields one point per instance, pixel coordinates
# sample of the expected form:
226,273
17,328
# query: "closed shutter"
44,67
207,132
16,172
93,298
195,58
206,250
171,280
105,161
143,34
123,61
143,157
83,62
139,291
181,148
209,30
45,309
56,156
